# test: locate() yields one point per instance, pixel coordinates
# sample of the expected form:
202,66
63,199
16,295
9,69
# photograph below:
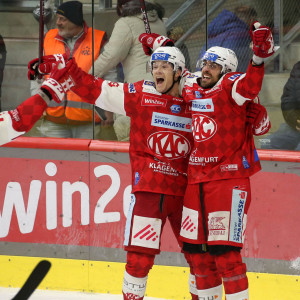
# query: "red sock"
205,271
233,271
139,264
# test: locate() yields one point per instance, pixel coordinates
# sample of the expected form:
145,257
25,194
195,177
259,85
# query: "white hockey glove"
263,43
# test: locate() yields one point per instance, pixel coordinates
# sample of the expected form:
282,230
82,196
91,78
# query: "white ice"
9,293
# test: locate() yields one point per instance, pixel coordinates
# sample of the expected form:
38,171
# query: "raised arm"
20,120
248,85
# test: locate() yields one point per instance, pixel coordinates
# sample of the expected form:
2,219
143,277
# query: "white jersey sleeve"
7,132
112,97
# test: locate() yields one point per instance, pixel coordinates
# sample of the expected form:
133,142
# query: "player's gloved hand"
185,73
257,116
263,43
151,41
59,81
36,69
187,76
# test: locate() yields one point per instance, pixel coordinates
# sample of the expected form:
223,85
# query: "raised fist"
36,69
263,43
59,81
151,41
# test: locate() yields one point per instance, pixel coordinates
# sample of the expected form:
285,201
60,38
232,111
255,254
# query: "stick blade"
33,281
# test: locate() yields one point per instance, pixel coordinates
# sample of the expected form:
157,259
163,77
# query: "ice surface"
9,293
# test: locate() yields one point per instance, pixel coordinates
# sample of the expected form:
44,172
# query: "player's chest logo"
204,127
168,144
148,100
203,105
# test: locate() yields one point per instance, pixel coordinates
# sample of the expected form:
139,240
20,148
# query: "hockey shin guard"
243,295
192,279
233,272
134,287
215,293
193,287
208,281
135,278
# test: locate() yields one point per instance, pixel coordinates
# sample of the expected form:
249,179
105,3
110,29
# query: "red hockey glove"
59,82
151,41
263,43
185,73
86,86
35,69
257,116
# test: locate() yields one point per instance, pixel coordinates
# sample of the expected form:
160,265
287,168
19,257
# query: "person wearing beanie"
72,10
73,118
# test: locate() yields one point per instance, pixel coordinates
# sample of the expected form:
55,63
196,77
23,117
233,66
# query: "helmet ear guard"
225,57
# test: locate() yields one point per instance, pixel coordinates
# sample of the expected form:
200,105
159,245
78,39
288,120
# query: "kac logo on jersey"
203,105
171,122
175,109
204,128
169,144
131,88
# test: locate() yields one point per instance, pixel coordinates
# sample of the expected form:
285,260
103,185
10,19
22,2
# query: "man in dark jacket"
288,135
231,30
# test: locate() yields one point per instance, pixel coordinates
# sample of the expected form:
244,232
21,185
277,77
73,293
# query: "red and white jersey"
160,134
223,142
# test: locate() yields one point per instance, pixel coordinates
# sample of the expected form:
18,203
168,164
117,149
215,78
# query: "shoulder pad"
192,78
233,75
149,87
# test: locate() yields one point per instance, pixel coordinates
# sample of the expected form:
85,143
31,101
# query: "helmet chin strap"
174,81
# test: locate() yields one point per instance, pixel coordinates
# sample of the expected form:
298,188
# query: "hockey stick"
41,32
96,109
34,279
145,16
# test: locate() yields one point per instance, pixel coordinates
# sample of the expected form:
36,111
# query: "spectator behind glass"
2,62
175,34
231,30
73,118
124,47
287,137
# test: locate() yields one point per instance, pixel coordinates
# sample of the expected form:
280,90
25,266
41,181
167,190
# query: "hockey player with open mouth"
160,133
223,158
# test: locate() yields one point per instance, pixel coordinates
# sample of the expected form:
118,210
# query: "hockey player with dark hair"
223,158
